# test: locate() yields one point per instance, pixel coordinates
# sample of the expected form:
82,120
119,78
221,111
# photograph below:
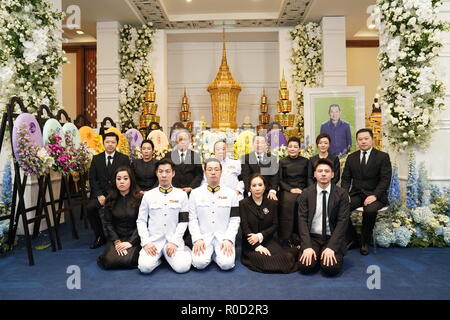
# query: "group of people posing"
292,214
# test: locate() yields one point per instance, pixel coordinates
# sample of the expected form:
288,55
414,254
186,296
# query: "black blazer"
269,166
190,173
336,167
338,212
254,220
99,178
374,180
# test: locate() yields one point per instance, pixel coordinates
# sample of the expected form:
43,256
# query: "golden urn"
224,91
284,106
149,107
185,114
264,117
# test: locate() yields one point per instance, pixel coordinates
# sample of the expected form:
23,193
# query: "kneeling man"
162,220
324,211
213,220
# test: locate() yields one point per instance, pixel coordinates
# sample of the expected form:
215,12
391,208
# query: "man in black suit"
261,162
188,165
101,175
323,231
368,172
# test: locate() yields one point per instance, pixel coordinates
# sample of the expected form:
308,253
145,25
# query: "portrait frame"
317,101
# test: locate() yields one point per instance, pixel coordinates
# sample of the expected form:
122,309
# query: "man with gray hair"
188,165
339,131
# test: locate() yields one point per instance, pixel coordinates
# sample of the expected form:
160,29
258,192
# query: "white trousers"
213,251
180,261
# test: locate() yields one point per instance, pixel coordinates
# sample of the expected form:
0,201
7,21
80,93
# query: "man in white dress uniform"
213,220
162,220
231,169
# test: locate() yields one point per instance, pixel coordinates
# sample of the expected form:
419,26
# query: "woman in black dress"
293,178
119,220
259,221
323,142
144,169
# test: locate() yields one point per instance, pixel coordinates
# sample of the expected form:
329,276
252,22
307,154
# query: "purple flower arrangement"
34,160
81,156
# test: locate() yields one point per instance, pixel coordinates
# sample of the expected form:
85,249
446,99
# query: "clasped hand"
122,247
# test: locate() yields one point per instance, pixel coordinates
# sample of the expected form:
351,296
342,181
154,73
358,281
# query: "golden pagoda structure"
185,114
224,91
264,117
149,108
284,107
375,124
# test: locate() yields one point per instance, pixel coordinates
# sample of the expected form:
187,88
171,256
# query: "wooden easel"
19,210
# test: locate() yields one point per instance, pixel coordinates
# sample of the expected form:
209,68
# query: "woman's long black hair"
135,191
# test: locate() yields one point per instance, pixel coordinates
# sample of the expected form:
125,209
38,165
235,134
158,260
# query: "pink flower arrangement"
63,160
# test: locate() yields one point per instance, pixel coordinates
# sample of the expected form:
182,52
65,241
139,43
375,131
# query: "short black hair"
324,161
321,136
148,141
111,134
294,139
164,161
212,160
364,130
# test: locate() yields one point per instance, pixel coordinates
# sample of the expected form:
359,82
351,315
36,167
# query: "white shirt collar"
112,154
367,155
319,189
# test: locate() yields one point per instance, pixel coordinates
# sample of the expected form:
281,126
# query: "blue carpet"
405,274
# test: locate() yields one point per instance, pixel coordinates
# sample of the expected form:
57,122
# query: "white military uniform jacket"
213,215
231,169
163,217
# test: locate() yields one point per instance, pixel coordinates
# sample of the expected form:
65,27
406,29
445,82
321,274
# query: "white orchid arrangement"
135,72
30,53
307,62
412,92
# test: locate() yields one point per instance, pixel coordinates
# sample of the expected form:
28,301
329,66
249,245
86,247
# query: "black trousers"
111,260
369,218
318,245
93,209
288,217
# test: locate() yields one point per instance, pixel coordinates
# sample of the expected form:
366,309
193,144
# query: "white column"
285,52
108,72
436,157
158,64
57,6
334,51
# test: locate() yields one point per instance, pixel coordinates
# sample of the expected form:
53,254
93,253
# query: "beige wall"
362,70
69,85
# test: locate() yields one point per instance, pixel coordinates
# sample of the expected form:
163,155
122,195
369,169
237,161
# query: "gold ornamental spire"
224,91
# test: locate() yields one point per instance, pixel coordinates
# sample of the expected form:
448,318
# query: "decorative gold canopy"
224,92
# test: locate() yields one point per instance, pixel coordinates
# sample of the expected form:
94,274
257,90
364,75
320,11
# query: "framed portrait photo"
337,111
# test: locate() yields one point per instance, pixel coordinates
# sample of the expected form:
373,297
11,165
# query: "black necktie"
363,161
109,161
182,157
259,159
324,214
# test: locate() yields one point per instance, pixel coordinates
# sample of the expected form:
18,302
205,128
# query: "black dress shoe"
364,250
98,242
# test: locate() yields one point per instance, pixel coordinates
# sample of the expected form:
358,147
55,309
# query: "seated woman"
144,169
119,220
323,142
259,221
293,178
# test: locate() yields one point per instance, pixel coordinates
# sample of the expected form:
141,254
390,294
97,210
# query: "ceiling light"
79,32
188,0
